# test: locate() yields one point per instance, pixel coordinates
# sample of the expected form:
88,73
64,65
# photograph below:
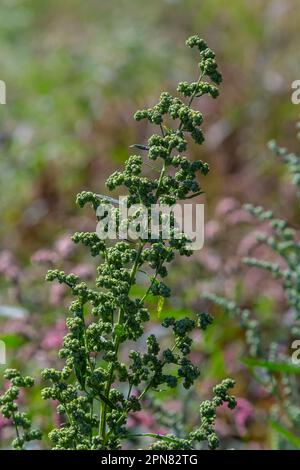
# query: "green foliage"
288,435
279,374
206,430
95,388
272,366
10,410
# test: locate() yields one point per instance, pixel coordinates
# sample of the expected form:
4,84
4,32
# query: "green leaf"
107,401
171,312
119,330
272,366
288,435
12,341
139,146
160,305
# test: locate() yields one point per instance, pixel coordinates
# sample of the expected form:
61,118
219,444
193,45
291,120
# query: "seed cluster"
10,409
283,244
95,389
205,432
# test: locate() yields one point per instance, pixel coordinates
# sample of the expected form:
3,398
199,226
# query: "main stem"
102,424
117,345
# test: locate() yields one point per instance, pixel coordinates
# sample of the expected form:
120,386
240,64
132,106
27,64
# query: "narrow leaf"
272,366
139,146
289,436
160,305
107,401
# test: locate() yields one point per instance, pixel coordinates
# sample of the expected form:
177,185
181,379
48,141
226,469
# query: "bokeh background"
76,71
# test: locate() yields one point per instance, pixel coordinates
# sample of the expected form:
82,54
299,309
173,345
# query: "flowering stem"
117,344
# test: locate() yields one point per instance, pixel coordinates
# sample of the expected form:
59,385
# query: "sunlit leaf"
288,435
160,305
272,366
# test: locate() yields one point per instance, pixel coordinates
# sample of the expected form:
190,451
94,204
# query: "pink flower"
8,266
238,216
83,270
57,292
141,418
210,260
44,257
242,414
64,246
212,228
226,205
54,337
248,243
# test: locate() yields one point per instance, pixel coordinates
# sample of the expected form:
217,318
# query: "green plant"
271,362
95,389
10,410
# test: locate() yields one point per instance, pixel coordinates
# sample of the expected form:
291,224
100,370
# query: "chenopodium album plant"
274,359
95,390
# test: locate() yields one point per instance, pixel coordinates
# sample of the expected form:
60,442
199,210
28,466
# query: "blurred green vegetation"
76,71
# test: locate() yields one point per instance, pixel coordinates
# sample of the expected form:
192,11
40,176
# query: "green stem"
117,344
16,427
150,383
102,424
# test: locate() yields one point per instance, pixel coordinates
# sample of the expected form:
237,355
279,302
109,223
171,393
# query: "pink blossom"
8,266
64,246
238,216
83,270
212,228
211,261
141,418
57,292
248,243
226,205
54,337
44,257
242,414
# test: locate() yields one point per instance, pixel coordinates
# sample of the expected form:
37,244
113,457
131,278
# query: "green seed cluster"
95,389
283,244
205,432
91,347
291,160
208,409
182,184
10,409
284,241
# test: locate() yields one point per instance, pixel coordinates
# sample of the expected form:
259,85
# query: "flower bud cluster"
9,408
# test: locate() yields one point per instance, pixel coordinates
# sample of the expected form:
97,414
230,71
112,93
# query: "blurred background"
75,72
